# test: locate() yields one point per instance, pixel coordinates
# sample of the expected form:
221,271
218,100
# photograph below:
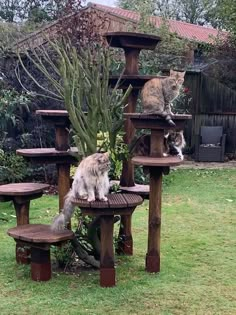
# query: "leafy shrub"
13,168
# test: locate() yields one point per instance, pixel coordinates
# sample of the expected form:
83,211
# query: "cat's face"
176,79
103,161
175,138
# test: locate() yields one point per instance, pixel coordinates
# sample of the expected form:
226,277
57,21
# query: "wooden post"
107,270
154,220
22,217
125,242
127,176
125,246
131,60
62,138
40,264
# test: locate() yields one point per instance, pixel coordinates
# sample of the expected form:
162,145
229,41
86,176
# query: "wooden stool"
117,204
21,194
39,238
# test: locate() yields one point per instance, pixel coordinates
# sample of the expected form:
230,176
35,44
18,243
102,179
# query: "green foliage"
84,88
64,254
198,274
12,104
13,168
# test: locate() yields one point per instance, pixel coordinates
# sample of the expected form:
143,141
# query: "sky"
105,2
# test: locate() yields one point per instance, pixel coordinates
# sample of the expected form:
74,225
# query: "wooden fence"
212,104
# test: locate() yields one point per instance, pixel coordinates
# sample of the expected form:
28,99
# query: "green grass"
198,256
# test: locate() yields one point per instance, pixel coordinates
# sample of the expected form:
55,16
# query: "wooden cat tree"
133,43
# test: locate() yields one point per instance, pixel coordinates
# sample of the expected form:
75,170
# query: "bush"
13,168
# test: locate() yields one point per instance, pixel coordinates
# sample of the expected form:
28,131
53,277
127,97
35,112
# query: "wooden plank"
39,233
22,189
154,161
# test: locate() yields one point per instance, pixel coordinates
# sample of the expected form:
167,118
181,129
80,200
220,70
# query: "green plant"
12,105
13,168
84,88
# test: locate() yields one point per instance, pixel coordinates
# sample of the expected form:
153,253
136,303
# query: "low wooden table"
39,237
117,204
21,194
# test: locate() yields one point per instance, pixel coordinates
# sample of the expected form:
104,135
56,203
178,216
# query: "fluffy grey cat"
90,182
158,94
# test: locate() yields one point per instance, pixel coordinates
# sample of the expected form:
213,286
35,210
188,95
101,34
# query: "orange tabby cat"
158,94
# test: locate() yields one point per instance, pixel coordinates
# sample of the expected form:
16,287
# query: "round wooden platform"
132,40
154,161
52,112
22,189
115,203
142,190
137,81
50,155
39,233
155,122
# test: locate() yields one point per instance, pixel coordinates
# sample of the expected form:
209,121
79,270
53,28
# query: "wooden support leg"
107,270
40,264
63,184
22,253
154,221
22,217
125,243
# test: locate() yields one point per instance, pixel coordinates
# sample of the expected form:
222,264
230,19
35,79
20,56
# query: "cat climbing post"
158,165
62,155
132,43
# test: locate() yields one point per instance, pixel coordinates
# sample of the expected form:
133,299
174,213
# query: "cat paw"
171,123
181,157
103,199
91,199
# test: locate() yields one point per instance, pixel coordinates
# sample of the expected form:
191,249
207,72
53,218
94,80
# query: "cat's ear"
106,155
172,73
181,131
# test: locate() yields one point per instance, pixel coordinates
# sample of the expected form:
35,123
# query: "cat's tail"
169,120
60,221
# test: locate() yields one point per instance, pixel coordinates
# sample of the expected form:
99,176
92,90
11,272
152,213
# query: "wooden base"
107,277
40,264
125,243
22,253
152,263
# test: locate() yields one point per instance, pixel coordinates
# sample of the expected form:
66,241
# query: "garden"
197,258
76,96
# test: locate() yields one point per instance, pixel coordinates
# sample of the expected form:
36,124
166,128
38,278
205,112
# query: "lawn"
198,258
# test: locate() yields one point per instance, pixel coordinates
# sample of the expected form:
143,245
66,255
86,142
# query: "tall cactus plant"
83,85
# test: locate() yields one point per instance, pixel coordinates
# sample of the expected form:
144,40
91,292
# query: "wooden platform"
22,189
50,155
39,233
132,40
52,112
117,204
142,190
114,203
153,161
137,81
155,122
39,237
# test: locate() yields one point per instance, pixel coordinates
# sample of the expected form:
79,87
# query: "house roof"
183,29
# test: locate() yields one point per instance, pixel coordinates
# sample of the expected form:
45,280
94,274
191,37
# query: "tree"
224,15
192,11
34,10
